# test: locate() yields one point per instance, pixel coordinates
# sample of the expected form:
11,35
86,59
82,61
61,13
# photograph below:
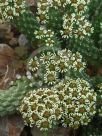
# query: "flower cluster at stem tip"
51,67
75,23
45,35
61,98
41,107
11,8
70,102
78,101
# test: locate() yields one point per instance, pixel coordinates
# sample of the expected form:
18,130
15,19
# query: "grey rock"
22,40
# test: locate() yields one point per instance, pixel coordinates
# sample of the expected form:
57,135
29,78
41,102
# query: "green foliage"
93,129
10,99
88,50
26,23
95,13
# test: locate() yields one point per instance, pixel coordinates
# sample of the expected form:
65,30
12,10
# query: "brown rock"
10,63
6,56
9,35
35,131
11,125
6,50
6,62
13,41
99,71
4,28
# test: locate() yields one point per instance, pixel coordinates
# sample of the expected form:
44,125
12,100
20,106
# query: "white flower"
29,75
33,64
62,66
49,42
50,77
45,58
66,33
40,33
51,66
18,76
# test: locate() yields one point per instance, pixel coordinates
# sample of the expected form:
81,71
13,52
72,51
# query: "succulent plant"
11,98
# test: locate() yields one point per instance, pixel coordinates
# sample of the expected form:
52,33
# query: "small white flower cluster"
76,26
43,8
80,5
50,66
47,36
11,8
78,101
99,100
41,107
59,3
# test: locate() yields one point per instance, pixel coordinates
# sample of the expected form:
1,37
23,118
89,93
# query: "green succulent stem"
10,99
26,23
